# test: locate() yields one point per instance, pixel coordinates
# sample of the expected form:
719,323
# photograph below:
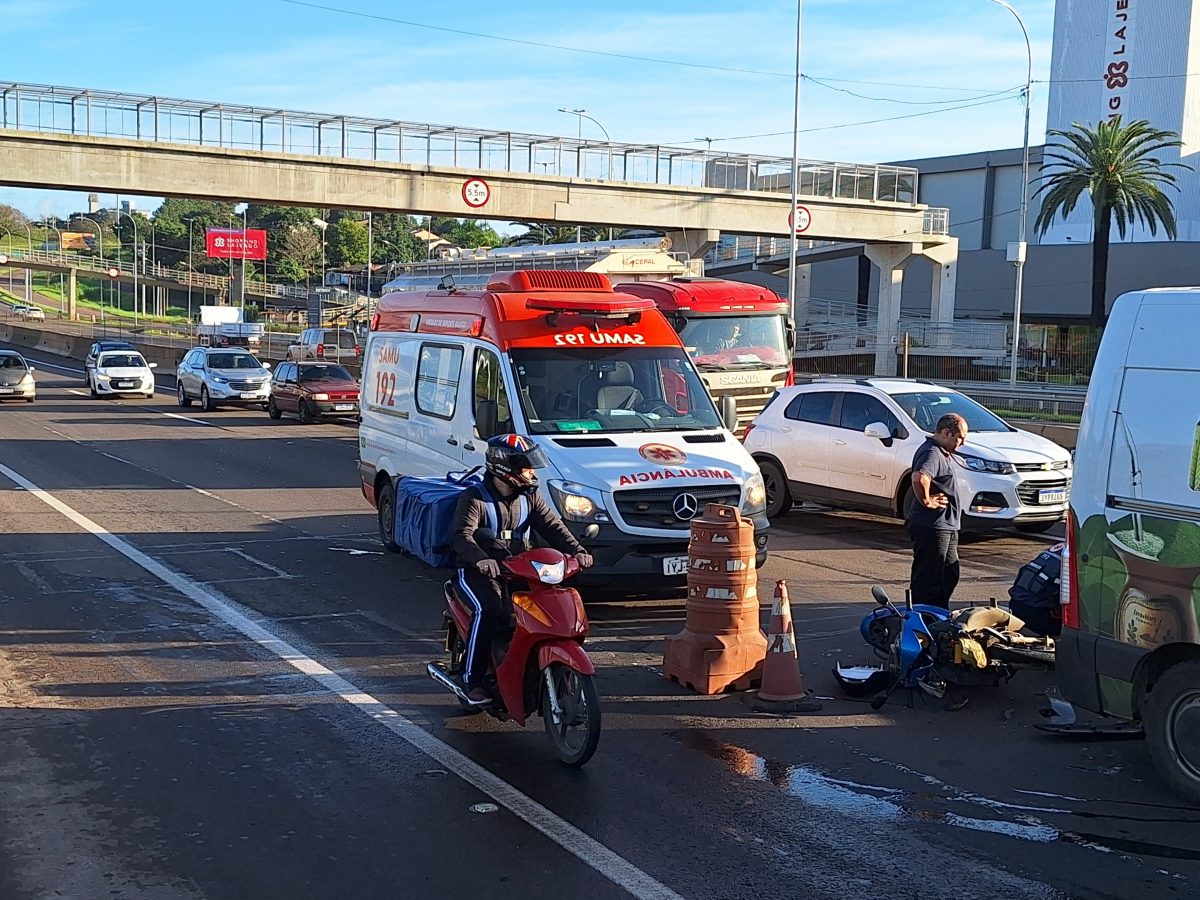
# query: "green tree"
280,222
543,233
394,239
346,241
1118,166
465,232
302,248
12,219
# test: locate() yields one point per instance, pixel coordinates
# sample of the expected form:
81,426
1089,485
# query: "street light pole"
794,243
135,274
100,242
370,249
191,268
581,114
1019,262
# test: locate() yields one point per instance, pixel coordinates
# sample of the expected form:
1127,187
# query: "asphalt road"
212,685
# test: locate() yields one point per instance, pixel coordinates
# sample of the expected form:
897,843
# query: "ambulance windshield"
564,390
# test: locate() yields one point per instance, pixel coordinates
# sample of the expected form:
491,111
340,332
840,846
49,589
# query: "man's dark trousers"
935,564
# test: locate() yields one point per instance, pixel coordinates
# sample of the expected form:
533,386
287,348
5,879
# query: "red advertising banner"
233,243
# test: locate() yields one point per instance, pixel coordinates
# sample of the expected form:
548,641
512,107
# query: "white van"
598,379
1130,644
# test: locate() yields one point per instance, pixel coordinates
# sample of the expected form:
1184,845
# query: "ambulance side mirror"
729,412
485,418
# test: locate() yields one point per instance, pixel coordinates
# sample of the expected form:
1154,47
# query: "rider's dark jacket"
471,513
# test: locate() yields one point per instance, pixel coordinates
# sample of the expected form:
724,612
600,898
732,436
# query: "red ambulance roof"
707,296
531,308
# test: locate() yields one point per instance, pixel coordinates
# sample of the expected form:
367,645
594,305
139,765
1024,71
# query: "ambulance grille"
654,507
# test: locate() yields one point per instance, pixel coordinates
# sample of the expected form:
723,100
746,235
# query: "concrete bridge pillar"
891,260
803,295
72,293
945,276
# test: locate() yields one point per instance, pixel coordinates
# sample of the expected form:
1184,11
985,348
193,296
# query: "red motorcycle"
542,667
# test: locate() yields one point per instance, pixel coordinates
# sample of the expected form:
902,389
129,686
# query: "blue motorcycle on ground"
938,652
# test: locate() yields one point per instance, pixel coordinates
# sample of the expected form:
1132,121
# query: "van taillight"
320,349
1068,584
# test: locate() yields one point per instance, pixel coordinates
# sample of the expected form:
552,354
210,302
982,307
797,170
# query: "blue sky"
923,56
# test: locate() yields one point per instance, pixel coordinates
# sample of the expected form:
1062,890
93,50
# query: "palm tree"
1118,167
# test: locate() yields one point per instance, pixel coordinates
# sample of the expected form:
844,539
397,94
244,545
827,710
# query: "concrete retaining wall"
1063,435
77,346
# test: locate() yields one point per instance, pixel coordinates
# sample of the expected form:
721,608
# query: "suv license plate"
251,397
343,407
675,565
1052,496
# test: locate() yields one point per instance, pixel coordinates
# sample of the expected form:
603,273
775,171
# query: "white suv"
850,442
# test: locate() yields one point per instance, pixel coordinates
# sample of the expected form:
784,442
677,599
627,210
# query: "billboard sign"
77,240
234,243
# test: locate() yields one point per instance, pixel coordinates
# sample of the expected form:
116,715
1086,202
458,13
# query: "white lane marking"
258,562
76,393
587,849
189,419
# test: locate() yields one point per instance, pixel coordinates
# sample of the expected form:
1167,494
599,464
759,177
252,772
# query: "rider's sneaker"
476,695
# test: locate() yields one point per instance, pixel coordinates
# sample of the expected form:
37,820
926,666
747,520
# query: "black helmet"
509,454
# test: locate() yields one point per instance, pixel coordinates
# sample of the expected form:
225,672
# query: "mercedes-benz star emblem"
685,506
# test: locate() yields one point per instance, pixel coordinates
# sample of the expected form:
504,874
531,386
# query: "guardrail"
99,113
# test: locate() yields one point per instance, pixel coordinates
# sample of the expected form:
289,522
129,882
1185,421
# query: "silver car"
16,377
222,376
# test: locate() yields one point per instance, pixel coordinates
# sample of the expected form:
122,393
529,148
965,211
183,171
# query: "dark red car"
312,390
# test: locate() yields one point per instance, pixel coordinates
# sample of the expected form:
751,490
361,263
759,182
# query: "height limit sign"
476,193
800,219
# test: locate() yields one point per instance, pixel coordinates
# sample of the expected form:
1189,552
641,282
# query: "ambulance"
598,379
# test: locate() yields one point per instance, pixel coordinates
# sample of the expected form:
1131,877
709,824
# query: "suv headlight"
979,464
578,503
217,379
754,496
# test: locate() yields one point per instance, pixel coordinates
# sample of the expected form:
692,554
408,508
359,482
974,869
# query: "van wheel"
779,498
385,509
1173,728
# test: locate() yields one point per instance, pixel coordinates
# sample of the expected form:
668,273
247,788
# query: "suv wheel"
181,396
206,403
779,498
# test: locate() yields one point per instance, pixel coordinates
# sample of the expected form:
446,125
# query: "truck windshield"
735,342
611,390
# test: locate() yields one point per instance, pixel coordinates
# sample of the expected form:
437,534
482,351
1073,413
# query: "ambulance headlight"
754,498
578,503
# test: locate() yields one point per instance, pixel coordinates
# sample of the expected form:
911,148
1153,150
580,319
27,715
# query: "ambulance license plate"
675,565
1052,496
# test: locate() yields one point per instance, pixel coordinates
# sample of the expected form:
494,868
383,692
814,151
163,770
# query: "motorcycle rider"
510,488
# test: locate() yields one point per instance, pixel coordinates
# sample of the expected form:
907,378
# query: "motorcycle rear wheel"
574,738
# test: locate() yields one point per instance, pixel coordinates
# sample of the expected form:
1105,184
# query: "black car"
94,352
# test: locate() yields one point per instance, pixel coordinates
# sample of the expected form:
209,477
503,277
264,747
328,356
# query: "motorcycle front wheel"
577,733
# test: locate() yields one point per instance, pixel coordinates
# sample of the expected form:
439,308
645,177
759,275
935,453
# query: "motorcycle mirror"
881,596
591,531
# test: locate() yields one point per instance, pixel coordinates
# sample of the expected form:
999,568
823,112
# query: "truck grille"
1028,490
654,508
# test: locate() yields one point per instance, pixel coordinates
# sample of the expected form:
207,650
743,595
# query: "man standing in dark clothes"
935,515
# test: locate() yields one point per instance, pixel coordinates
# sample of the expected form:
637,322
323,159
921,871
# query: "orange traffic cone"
782,683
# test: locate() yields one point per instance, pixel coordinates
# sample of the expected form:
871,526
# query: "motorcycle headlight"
978,464
578,503
754,496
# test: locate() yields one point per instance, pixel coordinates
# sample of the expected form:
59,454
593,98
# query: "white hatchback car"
121,373
850,442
